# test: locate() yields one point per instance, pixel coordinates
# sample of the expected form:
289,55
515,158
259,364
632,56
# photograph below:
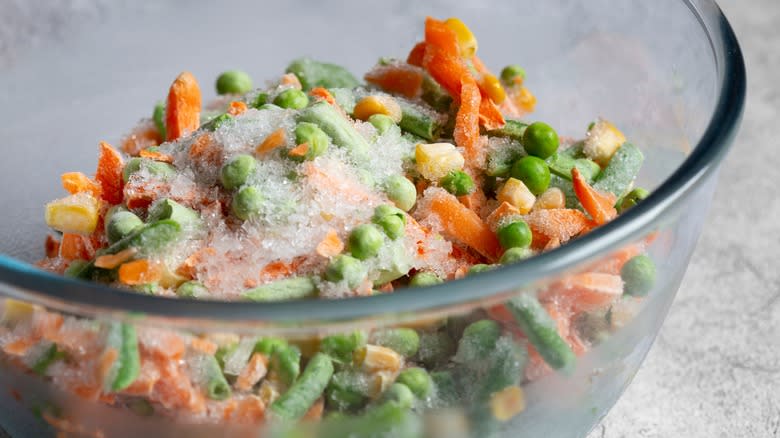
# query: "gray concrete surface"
714,370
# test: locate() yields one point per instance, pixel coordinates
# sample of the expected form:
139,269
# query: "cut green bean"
294,288
286,363
415,121
477,341
618,176
49,355
157,169
345,98
542,332
340,347
339,129
170,209
561,165
209,375
313,73
158,116
293,404
267,346
122,339
121,223
401,191
404,341
348,390
513,129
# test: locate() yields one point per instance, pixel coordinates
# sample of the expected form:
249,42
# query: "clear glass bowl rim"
24,281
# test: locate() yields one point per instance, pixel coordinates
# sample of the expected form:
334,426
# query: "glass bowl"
669,73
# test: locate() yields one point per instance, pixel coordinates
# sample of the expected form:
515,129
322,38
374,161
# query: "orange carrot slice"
273,141
555,224
600,206
416,55
278,269
445,69
109,174
77,182
139,272
489,115
586,291
299,151
236,108
75,246
320,93
466,133
502,211
182,114
441,36
52,247
465,225
403,79
111,261
331,245
156,156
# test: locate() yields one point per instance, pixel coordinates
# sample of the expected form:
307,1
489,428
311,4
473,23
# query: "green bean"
237,171
477,341
122,339
567,189
618,176
158,169
348,390
158,116
286,363
75,268
631,199
172,210
312,74
223,352
434,95
293,404
50,355
267,346
422,279
381,122
121,223
209,375
293,288
345,98
214,123
417,380
561,164
513,129
339,129
542,332
415,121
401,191
340,347
404,341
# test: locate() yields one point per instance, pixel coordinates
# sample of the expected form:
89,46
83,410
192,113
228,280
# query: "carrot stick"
77,182
111,261
466,133
559,224
489,115
109,174
182,115
331,245
465,225
416,55
600,206
403,79
139,272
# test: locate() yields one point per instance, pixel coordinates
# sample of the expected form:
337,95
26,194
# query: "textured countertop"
714,370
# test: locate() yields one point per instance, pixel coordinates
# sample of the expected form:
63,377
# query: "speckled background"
715,368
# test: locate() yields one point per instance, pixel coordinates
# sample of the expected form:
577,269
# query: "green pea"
404,341
313,136
159,119
540,140
260,100
156,168
344,267
392,225
533,172
401,191
269,106
233,82
292,98
457,182
632,198
514,255
381,122
481,267
247,202
364,241
417,380
515,235
422,279
237,170
638,275
510,72
120,224
399,393
192,289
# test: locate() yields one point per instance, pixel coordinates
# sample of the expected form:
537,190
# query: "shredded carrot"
442,58
466,133
502,211
441,36
156,156
403,79
109,174
203,345
489,115
111,261
273,141
52,246
559,224
236,108
600,206
75,246
417,54
255,369
77,182
290,79
465,225
320,93
331,245
182,114
139,272
479,66
299,151
19,347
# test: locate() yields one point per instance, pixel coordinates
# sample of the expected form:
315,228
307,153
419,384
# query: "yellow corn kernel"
602,141
374,358
77,214
507,403
379,382
467,42
525,100
492,87
515,193
370,105
436,160
551,198
268,392
15,311
170,279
